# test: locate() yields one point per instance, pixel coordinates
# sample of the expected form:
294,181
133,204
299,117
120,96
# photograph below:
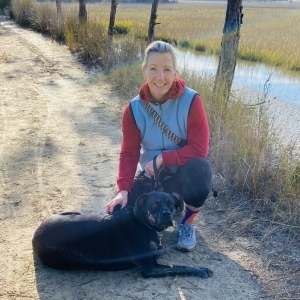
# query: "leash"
156,185
155,180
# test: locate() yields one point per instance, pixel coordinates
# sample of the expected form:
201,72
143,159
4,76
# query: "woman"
144,143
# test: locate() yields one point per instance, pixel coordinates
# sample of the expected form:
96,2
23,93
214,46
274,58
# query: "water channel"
284,85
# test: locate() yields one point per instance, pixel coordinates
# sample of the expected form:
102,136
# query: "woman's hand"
120,199
149,169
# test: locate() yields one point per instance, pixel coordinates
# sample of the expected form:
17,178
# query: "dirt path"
60,137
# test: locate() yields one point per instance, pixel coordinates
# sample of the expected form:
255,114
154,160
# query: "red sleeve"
130,151
198,137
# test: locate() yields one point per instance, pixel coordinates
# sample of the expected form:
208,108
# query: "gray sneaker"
187,237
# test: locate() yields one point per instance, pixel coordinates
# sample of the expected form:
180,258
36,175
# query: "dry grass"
270,249
246,149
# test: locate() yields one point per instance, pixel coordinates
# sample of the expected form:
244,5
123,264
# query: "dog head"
155,209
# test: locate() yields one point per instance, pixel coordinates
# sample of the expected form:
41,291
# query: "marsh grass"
246,151
268,33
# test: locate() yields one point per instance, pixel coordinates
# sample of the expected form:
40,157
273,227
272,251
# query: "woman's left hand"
149,169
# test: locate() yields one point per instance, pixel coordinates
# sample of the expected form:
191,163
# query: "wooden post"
229,47
152,21
82,11
58,8
113,11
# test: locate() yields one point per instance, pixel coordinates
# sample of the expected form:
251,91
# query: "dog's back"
74,240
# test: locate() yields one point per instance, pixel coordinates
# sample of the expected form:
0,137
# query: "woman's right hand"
120,199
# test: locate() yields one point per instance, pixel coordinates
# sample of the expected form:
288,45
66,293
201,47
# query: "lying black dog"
127,238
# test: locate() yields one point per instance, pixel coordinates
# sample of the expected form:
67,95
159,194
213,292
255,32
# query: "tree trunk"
82,11
229,47
112,19
152,21
58,8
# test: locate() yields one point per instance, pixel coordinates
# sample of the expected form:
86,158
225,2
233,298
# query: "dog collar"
159,233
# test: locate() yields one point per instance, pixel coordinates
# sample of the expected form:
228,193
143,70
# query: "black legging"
192,180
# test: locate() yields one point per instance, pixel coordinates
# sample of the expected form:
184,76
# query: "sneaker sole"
185,249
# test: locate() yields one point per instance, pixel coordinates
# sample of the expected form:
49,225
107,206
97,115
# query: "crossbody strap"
163,127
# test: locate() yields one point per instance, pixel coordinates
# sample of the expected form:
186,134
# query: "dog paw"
204,272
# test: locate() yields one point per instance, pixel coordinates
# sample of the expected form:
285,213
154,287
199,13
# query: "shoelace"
188,232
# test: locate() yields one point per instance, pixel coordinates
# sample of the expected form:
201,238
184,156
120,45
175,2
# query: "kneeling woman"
181,109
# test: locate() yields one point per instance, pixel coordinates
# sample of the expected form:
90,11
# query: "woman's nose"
160,74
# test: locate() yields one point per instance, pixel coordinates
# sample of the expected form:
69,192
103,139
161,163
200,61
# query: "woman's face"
160,74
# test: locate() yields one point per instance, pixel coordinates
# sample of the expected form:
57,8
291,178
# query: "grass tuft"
22,11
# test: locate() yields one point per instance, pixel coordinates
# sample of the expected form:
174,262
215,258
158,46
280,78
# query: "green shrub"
200,47
123,27
184,44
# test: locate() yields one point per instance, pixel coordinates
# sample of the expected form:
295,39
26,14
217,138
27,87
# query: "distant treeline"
121,1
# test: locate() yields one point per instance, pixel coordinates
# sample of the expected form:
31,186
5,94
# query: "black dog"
127,238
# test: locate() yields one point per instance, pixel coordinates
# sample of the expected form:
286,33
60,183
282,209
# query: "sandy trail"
60,138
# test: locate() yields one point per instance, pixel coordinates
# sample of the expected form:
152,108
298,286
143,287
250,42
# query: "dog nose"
166,213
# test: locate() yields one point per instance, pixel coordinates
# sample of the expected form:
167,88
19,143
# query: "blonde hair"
159,47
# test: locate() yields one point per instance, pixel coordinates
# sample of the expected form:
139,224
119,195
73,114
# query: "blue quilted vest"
174,113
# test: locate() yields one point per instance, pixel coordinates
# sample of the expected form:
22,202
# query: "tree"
58,8
229,47
113,11
152,21
82,11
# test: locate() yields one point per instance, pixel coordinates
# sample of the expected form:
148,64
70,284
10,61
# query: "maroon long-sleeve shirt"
197,136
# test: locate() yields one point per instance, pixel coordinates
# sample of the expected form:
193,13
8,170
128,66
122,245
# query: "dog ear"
140,205
140,201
